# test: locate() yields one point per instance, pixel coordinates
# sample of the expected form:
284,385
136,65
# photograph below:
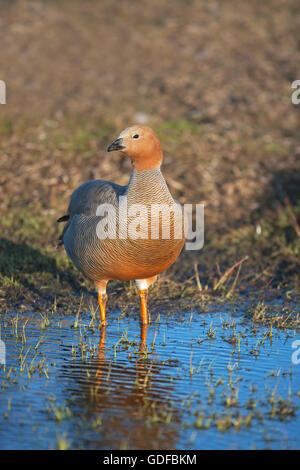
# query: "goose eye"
136,136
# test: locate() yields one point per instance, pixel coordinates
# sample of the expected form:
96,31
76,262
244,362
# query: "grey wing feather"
87,197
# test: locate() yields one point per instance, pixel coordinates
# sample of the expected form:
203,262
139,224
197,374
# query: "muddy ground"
212,78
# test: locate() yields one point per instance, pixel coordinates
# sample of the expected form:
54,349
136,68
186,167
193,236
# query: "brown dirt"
212,78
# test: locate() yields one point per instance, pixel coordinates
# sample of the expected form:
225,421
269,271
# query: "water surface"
199,380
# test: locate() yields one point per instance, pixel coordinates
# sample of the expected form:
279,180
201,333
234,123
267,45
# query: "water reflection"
131,397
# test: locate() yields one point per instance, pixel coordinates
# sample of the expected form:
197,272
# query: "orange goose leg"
143,299
143,338
142,285
102,299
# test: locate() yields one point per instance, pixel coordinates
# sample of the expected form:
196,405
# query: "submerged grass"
191,388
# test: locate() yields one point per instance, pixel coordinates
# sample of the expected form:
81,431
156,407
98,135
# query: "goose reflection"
130,397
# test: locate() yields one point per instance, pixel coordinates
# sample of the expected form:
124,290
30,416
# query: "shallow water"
208,380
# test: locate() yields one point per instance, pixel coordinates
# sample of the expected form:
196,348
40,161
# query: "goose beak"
116,145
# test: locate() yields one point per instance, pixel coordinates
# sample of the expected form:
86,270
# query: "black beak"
116,145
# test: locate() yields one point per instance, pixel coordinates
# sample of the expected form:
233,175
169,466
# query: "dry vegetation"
212,78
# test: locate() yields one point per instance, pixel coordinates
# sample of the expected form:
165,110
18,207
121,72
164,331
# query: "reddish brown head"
141,145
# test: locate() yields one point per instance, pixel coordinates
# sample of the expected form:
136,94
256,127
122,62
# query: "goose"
97,204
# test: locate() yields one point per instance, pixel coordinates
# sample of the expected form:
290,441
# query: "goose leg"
143,338
142,285
102,299
144,312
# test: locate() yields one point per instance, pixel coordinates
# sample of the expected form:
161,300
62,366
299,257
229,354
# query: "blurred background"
213,79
